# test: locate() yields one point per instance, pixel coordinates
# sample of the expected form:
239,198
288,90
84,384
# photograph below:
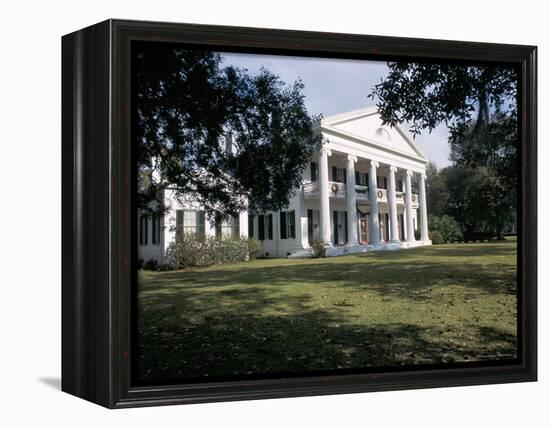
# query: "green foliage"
437,195
254,247
478,201
319,248
480,190
152,265
436,237
187,101
427,94
191,250
443,230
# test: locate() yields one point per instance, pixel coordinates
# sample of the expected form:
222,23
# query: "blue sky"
335,86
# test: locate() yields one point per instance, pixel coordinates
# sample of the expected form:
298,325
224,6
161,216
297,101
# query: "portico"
365,189
380,206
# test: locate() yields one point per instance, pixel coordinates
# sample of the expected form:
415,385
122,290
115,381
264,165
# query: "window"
143,224
265,227
228,228
250,226
313,171
339,174
189,222
361,179
155,239
313,226
288,224
381,182
340,227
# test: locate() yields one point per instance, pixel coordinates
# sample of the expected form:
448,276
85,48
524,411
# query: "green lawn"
446,303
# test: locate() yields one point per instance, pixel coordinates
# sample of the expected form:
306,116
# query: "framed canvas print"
252,213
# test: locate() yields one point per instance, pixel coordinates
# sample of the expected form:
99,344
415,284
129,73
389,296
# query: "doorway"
364,230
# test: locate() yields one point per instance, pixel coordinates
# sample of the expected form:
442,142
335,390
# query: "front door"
363,230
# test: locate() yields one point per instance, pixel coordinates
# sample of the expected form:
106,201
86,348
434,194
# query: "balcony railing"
337,190
361,193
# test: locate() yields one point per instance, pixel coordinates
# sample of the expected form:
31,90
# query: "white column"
243,223
324,201
394,234
424,236
350,198
301,220
408,206
374,228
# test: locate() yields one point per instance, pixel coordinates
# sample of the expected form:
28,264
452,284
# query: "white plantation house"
356,196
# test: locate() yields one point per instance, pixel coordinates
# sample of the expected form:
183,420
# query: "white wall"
30,252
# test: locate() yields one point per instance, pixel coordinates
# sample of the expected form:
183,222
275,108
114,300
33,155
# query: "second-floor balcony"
338,190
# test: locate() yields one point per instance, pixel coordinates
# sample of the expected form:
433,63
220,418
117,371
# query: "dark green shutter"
385,182
334,177
293,224
179,224
261,227
146,229
201,220
283,224
335,227
346,225
344,176
313,171
156,231
357,180
270,226
310,226
236,229
250,226
366,179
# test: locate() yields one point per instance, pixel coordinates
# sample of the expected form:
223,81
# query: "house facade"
356,196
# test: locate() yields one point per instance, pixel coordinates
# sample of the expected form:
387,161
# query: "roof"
365,126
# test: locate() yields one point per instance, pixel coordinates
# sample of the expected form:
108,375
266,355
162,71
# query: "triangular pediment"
366,125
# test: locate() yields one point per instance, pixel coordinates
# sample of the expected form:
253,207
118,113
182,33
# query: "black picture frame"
97,211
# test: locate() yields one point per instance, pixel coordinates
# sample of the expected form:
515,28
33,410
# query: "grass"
446,303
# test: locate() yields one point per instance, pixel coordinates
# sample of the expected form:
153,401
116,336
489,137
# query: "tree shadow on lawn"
471,250
402,279
264,317
314,340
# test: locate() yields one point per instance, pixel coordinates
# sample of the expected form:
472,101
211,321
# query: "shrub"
254,247
444,229
153,265
319,249
436,237
192,250
150,264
